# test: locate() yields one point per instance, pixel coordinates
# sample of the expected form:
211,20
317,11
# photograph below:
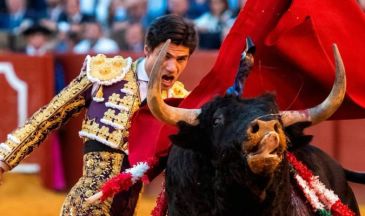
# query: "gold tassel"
99,97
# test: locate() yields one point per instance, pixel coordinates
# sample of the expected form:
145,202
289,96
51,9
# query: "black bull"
208,172
229,157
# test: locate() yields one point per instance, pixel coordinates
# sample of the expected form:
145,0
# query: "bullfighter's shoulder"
107,71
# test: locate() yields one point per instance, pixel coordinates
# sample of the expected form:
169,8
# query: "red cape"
293,58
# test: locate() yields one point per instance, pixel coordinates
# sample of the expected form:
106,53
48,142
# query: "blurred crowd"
37,27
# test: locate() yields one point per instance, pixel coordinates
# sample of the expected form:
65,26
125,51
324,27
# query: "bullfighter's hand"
3,169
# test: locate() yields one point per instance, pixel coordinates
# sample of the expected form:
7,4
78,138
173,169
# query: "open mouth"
167,80
276,152
266,155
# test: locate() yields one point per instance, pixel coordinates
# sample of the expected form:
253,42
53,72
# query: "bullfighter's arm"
22,141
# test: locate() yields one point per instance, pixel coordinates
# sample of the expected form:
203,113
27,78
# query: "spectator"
38,40
156,8
211,24
236,8
4,43
97,9
71,18
126,12
133,38
54,9
94,40
117,12
17,16
135,16
53,13
178,7
69,26
197,8
136,12
37,5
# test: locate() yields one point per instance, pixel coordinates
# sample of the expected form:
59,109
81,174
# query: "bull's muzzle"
265,146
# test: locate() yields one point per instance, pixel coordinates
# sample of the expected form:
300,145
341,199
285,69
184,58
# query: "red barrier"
26,85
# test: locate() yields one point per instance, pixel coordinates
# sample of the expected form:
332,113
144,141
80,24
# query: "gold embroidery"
121,118
99,96
135,107
130,75
109,115
114,98
116,121
103,69
127,100
132,86
176,91
103,132
95,131
98,168
127,105
90,126
62,107
116,137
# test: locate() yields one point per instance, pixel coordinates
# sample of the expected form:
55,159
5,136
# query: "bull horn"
324,110
162,111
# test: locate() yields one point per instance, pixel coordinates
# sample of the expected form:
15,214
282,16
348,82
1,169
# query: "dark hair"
176,28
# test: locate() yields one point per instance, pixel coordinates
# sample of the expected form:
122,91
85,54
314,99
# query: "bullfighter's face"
173,65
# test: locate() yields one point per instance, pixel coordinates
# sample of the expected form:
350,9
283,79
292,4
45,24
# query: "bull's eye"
218,120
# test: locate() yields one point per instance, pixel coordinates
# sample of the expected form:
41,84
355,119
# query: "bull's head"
253,128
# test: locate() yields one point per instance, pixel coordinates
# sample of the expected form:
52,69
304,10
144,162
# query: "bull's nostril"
255,127
276,127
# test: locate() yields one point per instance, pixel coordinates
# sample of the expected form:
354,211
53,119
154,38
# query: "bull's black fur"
207,172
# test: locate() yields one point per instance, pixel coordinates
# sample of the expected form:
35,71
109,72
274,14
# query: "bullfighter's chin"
263,165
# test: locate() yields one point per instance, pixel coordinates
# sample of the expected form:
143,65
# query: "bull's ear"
268,97
189,136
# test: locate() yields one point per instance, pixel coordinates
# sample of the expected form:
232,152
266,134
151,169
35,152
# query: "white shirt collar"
141,71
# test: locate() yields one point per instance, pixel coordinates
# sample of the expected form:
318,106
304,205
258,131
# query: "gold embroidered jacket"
107,87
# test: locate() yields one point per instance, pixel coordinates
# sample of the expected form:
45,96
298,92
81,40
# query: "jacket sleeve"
22,141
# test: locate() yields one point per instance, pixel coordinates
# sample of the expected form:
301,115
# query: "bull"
231,156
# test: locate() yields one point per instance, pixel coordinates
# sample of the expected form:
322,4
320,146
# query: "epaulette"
176,91
107,71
